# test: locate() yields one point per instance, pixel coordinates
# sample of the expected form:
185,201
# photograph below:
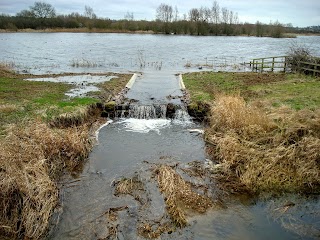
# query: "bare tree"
164,13
225,15
42,10
176,14
194,15
231,19
259,29
236,18
215,13
88,12
205,14
129,16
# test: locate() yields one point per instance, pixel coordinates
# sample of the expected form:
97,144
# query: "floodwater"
83,84
43,53
132,147
156,87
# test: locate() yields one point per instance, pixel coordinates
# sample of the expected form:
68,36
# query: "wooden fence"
269,64
282,64
310,68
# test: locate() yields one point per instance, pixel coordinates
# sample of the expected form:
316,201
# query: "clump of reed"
179,195
128,186
6,68
84,63
267,152
31,157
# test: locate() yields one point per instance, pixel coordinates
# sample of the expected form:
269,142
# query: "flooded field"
132,149
43,53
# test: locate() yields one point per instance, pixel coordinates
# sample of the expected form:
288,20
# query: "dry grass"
179,196
274,152
155,230
8,108
31,156
232,112
128,186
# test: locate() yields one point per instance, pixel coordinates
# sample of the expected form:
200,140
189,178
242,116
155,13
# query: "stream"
131,148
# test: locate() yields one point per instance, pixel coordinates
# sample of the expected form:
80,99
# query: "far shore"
97,30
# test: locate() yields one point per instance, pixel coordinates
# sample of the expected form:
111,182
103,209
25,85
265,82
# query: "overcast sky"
300,13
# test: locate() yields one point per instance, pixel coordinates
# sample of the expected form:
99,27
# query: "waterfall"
177,113
143,111
182,115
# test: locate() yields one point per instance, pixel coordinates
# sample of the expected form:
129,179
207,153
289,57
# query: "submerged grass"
179,195
264,130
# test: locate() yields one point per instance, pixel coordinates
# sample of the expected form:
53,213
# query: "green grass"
295,90
203,85
21,99
296,94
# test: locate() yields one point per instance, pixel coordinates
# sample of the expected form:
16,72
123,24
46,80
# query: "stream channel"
130,148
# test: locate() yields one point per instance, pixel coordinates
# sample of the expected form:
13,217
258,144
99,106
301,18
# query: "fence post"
262,65
272,64
285,64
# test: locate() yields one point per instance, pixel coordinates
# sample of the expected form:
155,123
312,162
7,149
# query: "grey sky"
298,12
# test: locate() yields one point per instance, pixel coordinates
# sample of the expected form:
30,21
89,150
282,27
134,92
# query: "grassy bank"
43,133
264,128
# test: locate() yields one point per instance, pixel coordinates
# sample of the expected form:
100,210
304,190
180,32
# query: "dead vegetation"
154,230
273,152
128,186
112,216
179,195
133,187
31,157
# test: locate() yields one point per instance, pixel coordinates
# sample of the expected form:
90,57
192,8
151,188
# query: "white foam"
182,118
145,125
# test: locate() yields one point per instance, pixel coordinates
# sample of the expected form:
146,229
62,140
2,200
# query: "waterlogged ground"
132,149
84,84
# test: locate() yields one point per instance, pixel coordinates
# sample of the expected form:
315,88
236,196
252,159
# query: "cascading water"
148,111
155,111
146,118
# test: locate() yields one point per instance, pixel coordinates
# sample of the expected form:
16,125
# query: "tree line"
198,21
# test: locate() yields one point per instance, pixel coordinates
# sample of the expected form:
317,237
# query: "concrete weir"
149,96
132,81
